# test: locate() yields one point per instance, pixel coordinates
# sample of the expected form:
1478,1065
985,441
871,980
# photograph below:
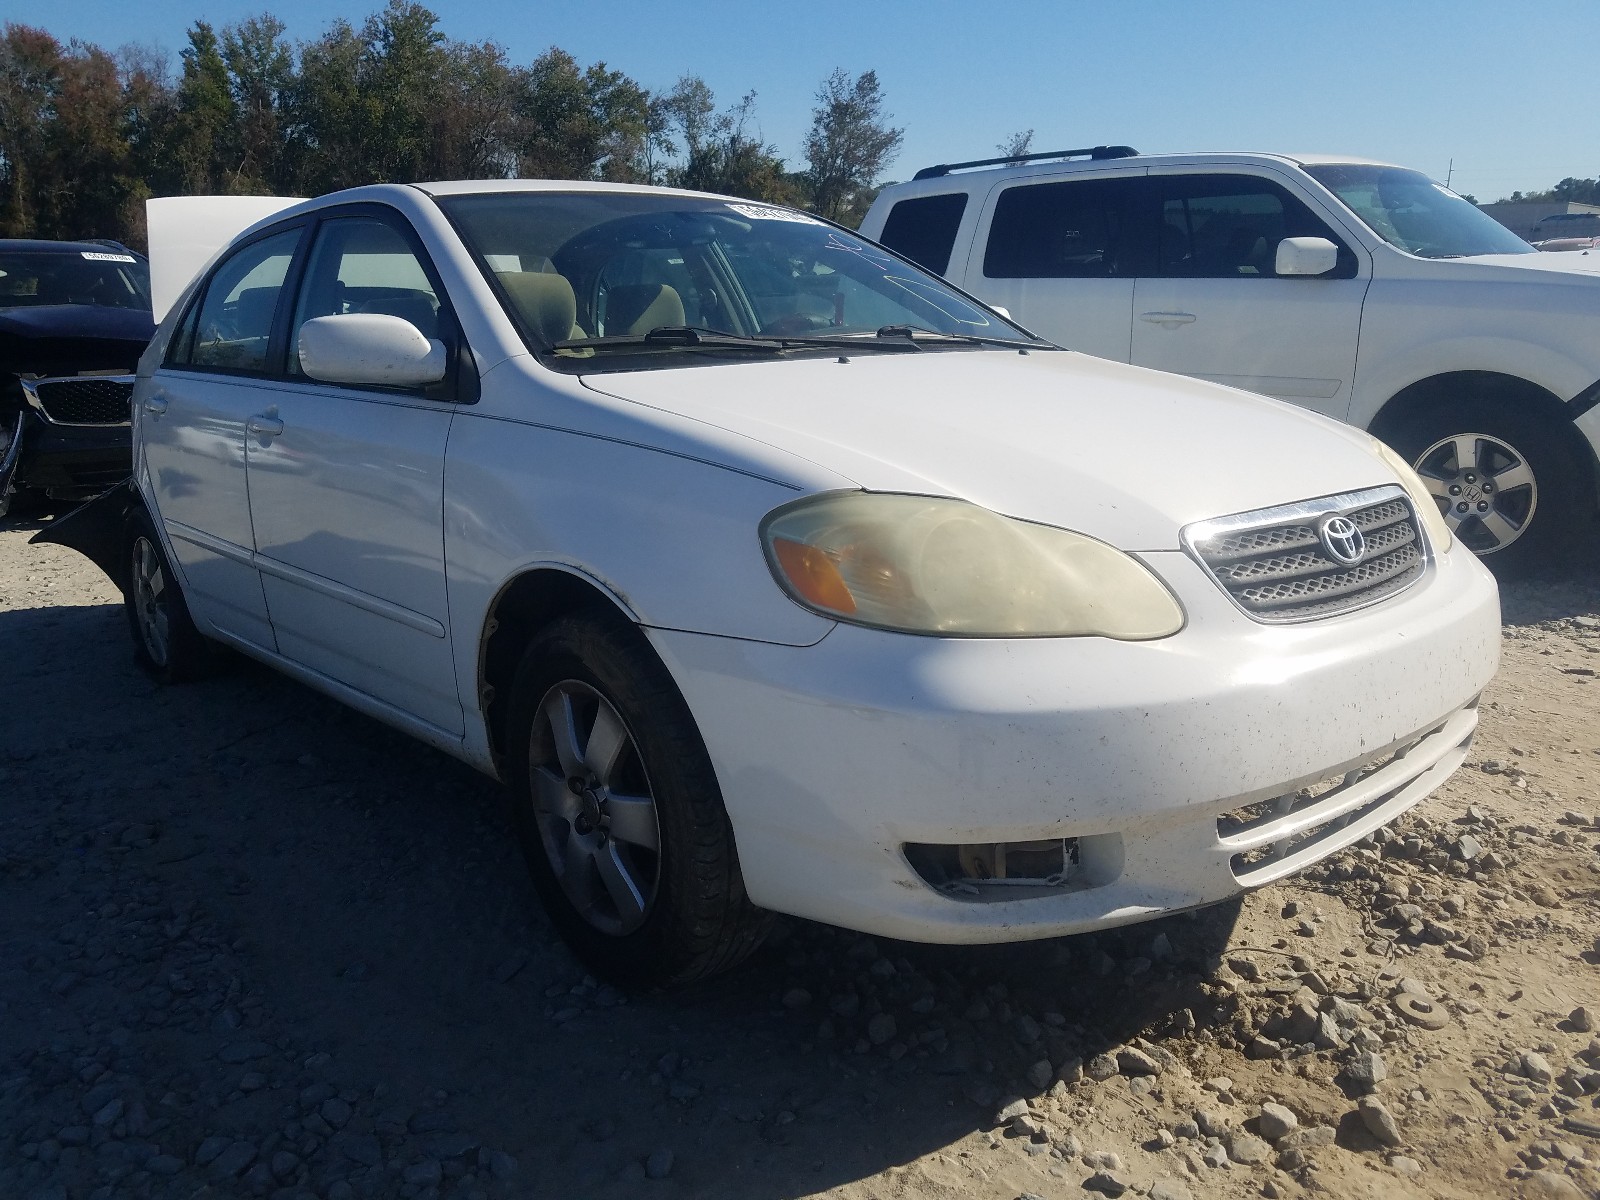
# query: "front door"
347,492
192,434
1213,305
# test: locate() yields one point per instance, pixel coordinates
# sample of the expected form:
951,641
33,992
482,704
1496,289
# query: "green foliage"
86,137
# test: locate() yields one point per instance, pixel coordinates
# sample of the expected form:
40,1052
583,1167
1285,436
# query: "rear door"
1213,306
347,486
191,430
1061,255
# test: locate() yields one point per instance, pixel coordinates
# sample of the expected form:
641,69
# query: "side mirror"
1306,256
369,348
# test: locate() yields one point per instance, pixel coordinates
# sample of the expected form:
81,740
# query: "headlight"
1421,499
920,564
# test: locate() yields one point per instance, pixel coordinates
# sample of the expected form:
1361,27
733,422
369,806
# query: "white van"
1364,291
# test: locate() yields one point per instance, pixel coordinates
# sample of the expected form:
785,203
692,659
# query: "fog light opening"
973,870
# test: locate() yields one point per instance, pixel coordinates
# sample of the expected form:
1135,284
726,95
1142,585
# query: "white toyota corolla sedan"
771,573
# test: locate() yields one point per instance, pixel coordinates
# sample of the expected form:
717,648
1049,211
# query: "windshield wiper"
915,334
675,335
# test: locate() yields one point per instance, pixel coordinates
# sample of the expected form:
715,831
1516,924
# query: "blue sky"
1498,87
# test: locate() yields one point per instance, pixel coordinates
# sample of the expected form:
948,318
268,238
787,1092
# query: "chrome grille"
82,399
1275,565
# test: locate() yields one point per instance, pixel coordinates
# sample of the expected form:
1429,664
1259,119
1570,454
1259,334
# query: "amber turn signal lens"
813,575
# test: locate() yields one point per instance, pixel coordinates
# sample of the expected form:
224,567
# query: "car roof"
46,246
1047,166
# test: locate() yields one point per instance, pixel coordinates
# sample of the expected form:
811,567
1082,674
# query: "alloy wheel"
1483,486
595,808
150,600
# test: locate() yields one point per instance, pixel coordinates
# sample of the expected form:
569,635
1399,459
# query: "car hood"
1121,453
65,339
1582,262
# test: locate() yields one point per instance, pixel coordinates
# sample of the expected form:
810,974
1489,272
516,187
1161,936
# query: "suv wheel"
618,811
1510,486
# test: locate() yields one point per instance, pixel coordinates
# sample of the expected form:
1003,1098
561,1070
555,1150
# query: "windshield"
106,278
1409,210
586,274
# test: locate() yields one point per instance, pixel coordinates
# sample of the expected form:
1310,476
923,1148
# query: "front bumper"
832,758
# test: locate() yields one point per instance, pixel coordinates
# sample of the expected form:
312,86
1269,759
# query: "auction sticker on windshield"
100,256
760,212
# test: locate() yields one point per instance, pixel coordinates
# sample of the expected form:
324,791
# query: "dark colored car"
74,318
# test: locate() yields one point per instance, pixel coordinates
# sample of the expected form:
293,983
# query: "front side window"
363,265
1229,227
1079,229
233,331
605,274
1407,209
924,229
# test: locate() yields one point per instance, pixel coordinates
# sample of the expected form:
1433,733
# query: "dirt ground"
252,944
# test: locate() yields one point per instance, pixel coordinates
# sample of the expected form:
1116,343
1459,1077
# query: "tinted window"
363,265
98,278
234,330
924,229
1229,227
1082,229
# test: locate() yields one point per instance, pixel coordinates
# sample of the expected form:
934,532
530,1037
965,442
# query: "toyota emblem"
1342,539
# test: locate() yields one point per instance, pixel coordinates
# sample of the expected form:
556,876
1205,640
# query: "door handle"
263,426
1168,320
156,405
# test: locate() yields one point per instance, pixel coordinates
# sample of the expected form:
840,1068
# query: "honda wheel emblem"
1342,539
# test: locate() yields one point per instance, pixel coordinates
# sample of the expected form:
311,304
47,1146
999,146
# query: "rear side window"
924,229
234,329
1080,229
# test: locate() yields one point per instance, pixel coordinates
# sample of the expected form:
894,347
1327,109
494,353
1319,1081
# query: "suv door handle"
156,405
264,426
1167,320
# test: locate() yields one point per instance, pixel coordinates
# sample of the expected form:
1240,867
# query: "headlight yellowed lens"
1421,499
921,564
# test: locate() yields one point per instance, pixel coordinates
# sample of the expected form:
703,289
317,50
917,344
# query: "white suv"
1361,290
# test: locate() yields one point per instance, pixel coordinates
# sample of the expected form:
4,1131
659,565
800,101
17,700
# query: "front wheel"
1511,487
618,811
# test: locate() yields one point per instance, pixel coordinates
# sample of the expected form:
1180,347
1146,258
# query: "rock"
659,1164
1186,1129
360,1148
504,973
1105,1183
499,1164
879,1030
96,1098
1379,1121
243,1052
1276,1120
1544,896
1026,1125
1584,1125
335,1112
1248,1149
109,1113
232,1161
1215,1156
1533,1065
1581,1020
1009,1111
1211,1122
427,1173
283,1164
796,998
1402,1165
209,1149
164,1164
1366,1069
1169,1189
1308,1138
1133,1061
1551,1185
1101,1066
1467,847
1041,1073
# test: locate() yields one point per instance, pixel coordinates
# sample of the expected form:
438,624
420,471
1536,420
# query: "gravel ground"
252,944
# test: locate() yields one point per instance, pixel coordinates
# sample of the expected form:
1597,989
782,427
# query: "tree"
261,73
719,152
849,145
1018,144
201,146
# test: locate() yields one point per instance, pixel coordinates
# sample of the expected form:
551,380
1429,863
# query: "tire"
1512,484
166,643
628,843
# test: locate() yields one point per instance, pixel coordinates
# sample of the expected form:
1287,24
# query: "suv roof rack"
1091,152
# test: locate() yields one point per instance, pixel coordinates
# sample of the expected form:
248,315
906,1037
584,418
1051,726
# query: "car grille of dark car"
85,400
1275,563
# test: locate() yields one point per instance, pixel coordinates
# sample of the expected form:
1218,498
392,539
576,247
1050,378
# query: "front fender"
96,530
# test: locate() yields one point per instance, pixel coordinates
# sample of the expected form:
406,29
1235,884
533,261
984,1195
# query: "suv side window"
364,265
234,329
1229,227
1077,229
924,229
